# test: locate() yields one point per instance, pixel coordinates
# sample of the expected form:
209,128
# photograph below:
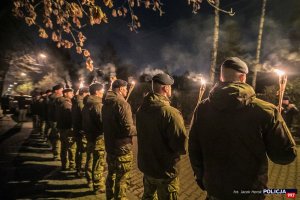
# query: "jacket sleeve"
126,121
195,153
176,132
280,145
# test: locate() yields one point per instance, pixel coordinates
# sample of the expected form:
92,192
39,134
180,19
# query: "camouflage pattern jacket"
161,137
117,124
232,134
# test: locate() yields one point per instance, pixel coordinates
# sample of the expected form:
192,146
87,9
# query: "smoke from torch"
282,84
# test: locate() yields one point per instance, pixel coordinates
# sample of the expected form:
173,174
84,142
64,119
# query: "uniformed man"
118,131
162,140
289,111
47,128
54,99
231,136
64,125
93,127
80,136
42,113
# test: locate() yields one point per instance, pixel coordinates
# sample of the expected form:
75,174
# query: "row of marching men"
85,128
74,124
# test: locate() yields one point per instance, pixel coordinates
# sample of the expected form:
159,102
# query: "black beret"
119,83
236,64
95,87
57,87
67,90
163,79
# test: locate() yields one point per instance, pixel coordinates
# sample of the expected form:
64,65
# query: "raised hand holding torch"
132,85
282,84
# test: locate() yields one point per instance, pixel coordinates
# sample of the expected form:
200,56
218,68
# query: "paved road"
28,172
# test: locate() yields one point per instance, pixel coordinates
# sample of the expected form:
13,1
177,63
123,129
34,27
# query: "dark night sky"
181,41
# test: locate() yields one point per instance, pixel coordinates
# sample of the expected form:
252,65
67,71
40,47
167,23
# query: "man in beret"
54,99
289,110
162,140
118,131
92,125
80,136
231,136
64,125
42,113
47,128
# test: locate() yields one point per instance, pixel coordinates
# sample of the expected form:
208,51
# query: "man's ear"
243,78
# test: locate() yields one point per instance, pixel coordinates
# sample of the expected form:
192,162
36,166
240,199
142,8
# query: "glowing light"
43,55
203,81
133,82
11,85
81,85
279,72
15,83
23,74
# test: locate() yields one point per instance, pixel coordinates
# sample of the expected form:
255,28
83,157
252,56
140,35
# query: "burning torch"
132,85
201,93
282,84
201,90
81,85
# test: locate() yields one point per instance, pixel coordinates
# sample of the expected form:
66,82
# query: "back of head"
95,87
160,80
233,69
83,90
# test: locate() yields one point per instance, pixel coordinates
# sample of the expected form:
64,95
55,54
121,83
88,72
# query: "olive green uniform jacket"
91,117
117,124
64,114
231,138
161,137
77,106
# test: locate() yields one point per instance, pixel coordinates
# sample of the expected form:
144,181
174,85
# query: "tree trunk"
258,49
215,43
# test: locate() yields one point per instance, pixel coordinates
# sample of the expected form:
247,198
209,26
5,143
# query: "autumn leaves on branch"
64,19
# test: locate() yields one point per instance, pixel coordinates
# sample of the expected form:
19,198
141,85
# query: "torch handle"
282,85
129,92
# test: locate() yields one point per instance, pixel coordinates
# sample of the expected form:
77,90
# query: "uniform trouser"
22,115
95,163
118,176
81,144
42,125
68,148
162,189
35,123
47,129
54,139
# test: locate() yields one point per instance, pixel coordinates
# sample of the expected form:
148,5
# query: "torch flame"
279,72
133,82
81,84
203,81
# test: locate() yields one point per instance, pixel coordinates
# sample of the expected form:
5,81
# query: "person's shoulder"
170,111
264,106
